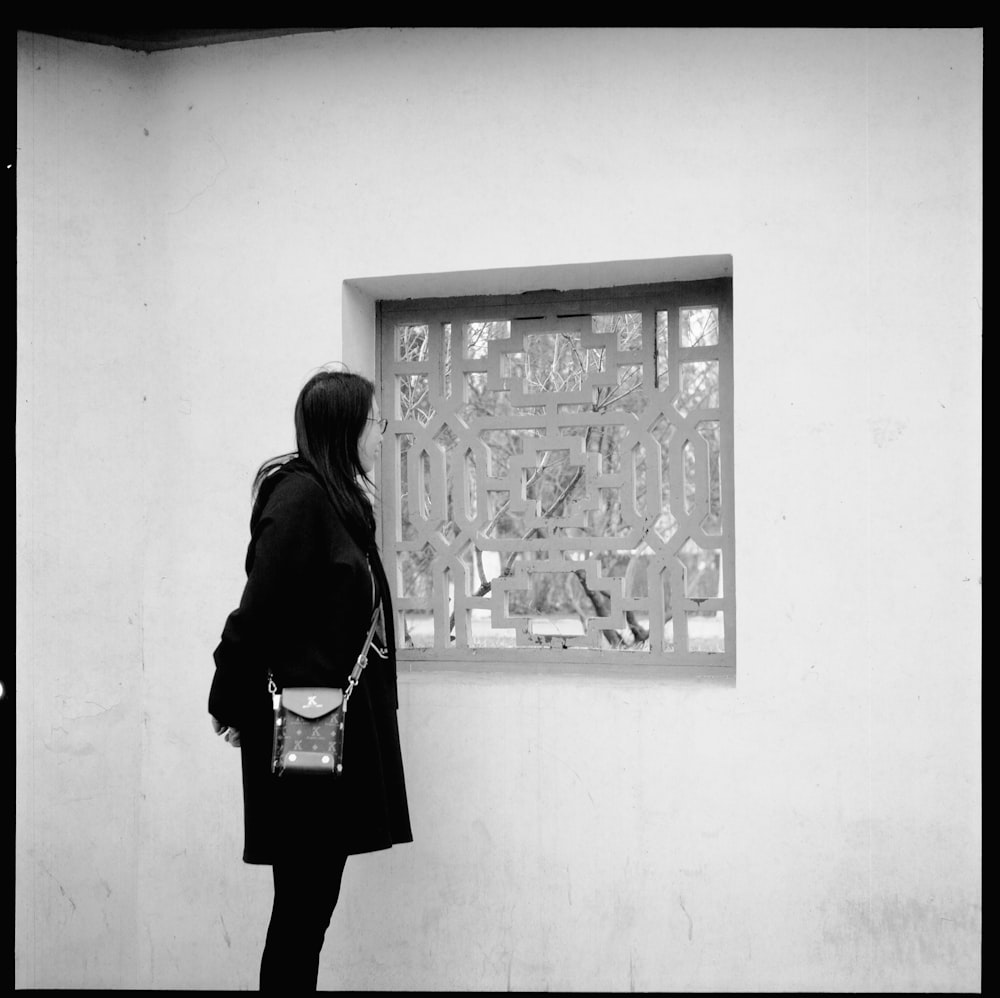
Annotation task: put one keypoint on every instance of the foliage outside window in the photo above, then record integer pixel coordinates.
(557, 475)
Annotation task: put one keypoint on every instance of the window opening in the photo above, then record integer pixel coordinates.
(556, 476)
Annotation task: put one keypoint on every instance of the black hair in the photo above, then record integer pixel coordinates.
(330, 416)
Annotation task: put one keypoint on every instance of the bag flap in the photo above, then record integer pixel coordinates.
(311, 701)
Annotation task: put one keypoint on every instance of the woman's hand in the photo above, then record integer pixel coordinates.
(231, 734)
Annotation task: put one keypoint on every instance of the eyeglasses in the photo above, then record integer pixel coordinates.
(383, 424)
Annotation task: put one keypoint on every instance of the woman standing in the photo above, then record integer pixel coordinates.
(313, 576)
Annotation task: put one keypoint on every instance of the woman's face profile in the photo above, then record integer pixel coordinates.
(371, 438)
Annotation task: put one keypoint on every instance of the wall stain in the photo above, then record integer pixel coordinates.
(902, 931)
(62, 890)
(885, 430)
(689, 918)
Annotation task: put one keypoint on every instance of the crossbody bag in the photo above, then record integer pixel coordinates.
(309, 720)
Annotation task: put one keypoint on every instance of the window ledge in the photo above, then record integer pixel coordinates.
(442, 671)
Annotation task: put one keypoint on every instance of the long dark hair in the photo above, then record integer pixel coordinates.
(330, 416)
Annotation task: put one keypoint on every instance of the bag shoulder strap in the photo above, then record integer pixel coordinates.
(359, 665)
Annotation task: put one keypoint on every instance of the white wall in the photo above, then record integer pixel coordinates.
(186, 220)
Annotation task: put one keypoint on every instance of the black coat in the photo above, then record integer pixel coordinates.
(304, 615)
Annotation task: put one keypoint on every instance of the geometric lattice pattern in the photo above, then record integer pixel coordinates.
(556, 477)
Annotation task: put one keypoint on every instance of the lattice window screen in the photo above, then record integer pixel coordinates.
(556, 477)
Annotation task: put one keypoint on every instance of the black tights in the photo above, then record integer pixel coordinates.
(304, 898)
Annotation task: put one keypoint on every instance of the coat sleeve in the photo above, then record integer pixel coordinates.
(291, 572)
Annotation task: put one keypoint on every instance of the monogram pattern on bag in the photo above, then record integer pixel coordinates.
(314, 739)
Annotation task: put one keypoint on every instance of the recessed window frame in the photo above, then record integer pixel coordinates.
(367, 300)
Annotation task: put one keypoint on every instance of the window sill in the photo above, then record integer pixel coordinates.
(419, 671)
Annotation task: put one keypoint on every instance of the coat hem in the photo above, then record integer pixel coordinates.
(252, 860)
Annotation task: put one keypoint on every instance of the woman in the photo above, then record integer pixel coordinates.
(313, 571)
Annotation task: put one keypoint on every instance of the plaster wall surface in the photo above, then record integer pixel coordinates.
(186, 223)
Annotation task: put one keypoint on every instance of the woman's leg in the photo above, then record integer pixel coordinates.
(305, 894)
